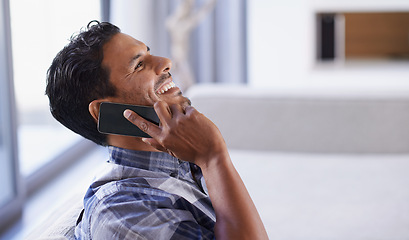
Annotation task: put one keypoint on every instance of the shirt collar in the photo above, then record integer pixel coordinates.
(151, 161)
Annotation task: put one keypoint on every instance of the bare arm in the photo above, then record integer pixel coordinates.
(190, 136)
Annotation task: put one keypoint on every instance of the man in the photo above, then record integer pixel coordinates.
(179, 184)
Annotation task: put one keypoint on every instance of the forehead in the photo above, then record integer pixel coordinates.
(121, 48)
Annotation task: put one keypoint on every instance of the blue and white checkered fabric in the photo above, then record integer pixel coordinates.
(147, 195)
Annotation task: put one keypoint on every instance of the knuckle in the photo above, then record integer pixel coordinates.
(178, 120)
(192, 116)
(143, 126)
(192, 113)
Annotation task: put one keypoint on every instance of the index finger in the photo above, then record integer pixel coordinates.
(146, 126)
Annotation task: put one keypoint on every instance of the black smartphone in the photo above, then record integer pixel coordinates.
(112, 121)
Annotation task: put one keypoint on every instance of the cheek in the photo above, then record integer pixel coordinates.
(143, 82)
(144, 85)
(140, 95)
(138, 91)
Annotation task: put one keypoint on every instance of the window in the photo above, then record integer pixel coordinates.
(39, 30)
(10, 194)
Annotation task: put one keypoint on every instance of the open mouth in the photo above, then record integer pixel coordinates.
(166, 87)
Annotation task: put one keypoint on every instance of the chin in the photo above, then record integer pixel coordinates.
(181, 100)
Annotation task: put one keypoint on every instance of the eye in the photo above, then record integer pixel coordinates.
(139, 65)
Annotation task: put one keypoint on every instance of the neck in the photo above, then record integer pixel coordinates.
(131, 143)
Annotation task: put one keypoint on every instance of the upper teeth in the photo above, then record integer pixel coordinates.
(167, 87)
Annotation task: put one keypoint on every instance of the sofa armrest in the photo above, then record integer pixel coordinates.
(61, 223)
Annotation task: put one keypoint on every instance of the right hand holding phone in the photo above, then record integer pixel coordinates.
(184, 133)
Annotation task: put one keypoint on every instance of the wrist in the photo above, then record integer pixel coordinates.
(209, 163)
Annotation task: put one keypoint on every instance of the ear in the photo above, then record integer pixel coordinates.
(93, 108)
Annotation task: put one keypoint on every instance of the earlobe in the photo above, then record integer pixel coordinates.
(93, 108)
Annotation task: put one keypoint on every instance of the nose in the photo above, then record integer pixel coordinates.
(162, 64)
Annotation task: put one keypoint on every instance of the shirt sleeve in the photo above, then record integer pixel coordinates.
(157, 215)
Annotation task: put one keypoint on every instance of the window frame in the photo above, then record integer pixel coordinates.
(11, 210)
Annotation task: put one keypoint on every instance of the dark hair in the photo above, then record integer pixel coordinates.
(76, 77)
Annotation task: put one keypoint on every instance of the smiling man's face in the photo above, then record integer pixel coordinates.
(139, 77)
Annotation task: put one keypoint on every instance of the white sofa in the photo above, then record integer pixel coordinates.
(60, 224)
(318, 166)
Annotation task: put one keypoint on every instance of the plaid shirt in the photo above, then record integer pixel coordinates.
(147, 195)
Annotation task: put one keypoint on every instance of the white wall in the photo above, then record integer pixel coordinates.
(281, 47)
(280, 37)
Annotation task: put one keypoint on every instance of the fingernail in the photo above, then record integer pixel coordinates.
(127, 113)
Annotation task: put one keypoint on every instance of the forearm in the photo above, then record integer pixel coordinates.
(236, 214)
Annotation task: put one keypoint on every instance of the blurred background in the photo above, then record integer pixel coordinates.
(329, 80)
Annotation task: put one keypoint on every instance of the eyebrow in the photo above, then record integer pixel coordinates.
(134, 58)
